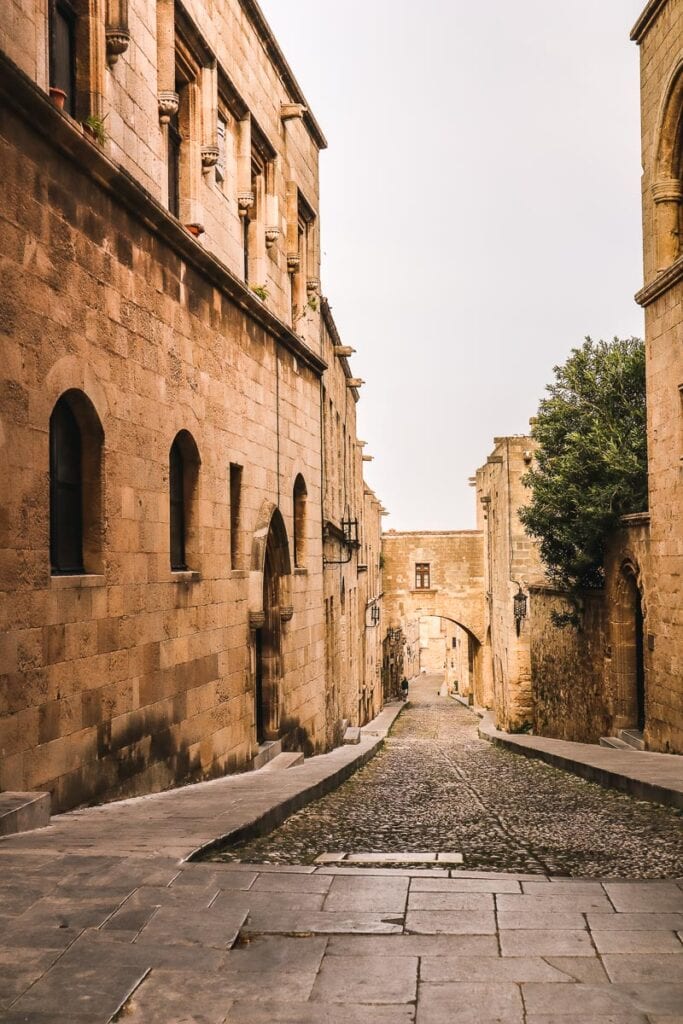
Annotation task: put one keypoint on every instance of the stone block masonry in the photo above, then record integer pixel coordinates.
(157, 661)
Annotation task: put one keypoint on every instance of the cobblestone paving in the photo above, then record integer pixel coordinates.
(437, 787)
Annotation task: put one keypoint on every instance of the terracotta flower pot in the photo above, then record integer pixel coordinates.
(195, 229)
(58, 97)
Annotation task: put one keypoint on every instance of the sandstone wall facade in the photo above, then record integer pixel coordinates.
(128, 676)
(658, 33)
(453, 591)
(511, 562)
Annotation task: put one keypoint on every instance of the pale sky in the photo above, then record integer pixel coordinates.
(480, 215)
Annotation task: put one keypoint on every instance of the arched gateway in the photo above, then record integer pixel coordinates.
(269, 607)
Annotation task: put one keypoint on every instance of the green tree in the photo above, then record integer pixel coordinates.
(591, 462)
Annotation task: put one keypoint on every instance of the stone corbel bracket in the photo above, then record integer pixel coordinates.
(168, 105)
(210, 156)
(118, 40)
(272, 235)
(292, 111)
(354, 382)
(343, 351)
(245, 201)
(293, 262)
(312, 286)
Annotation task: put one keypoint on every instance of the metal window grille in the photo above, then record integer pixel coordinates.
(66, 492)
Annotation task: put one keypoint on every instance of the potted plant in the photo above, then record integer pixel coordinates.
(58, 97)
(94, 126)
(260, 291)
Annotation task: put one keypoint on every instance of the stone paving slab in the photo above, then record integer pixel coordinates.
(97, 925)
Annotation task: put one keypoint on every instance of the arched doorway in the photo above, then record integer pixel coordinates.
(271, 567)
(629, 652)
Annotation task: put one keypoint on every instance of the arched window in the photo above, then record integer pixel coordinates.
(66, 491)
(182, 485)
(300, 495)
(76, 444)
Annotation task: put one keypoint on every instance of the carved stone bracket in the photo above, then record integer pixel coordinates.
(245, 201)
(286, 612)
(168, 106)
(312, 286)
(272, 235)
(290, 111)
(210, 156)
(293, 262)
(118, 40)
(257, 619)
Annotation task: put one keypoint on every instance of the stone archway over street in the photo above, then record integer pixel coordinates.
(438, 574)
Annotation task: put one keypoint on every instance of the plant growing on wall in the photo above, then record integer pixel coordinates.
(591, 462)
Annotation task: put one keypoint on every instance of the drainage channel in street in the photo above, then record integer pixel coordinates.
(437, 789)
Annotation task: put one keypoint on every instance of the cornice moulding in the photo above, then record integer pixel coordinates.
(646, 19)
(57, 131)
(272, 48)
(667, 279)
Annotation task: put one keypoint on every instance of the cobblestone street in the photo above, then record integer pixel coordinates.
(437, 786)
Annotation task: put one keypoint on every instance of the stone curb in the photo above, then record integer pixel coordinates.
(374, 734)
(634, 772)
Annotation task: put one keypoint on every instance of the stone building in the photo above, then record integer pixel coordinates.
(511, 562)
(351, 530)
(623, 670)
(659, 35)
(162, 608)
(431, 577)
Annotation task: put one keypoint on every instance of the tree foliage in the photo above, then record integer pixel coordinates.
(591, 462)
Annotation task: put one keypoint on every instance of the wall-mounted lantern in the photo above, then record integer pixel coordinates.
(520, 603)
(374, 615)
(350, 530)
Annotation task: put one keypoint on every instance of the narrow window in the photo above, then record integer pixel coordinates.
(177, 495)
(221, 129)
(422, 576)
(174, 144)
(62, 31)
(66, 492)
(235, 512)
(300, 495)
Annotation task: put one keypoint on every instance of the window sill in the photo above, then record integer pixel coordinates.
(185, 576)
(425, 590)
(300, 570)
(76, 582)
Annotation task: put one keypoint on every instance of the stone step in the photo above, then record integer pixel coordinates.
(22, 812)
(633, 737)
(266, 752)
(613, 741)
(287, 760)
(352, 734)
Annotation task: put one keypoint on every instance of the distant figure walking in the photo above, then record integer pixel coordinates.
(404, 688)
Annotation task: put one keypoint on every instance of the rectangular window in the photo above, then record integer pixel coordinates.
(235, 511)
(63, 51)
(221, 129)
(422, 576)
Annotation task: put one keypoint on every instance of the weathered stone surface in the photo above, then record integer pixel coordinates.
(366, 979)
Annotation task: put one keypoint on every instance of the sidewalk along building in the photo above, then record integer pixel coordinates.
(161, 611)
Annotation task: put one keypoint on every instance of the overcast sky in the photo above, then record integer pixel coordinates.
(480, 215)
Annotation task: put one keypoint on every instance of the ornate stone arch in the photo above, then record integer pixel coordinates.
(269, 538)
(628, 614)
(667, 185)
